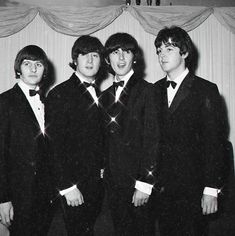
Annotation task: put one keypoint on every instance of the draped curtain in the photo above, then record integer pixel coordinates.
(56, 28)
(87, 20)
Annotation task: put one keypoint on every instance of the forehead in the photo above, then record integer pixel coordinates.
(31, 61)
(168, 43)
(87, 53)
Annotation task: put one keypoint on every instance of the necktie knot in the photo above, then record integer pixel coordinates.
(117, 84)
(172, 83)
(33, 92)
(87, 85)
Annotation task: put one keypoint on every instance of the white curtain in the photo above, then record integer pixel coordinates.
(212, 30)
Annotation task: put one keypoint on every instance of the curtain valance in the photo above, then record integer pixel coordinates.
(79, 21)
(86, 20)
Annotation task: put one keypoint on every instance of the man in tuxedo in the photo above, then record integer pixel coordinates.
(24, 173)
(130, 134)
(189, 170)
(74, 127)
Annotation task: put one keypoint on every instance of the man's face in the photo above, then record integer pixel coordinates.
(121, 61)
(170, 59)
(88, 64)
(31, 72)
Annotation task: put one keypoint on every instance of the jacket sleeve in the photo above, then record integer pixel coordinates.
(214, 140)
(151, 136)
(4, 150)
(55, 123)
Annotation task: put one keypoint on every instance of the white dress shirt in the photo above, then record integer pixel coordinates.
(120, 89)
(90, 89)
(35, 103)
(171, 92)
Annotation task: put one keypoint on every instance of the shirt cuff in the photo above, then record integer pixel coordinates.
(143, 187)
(211, 191)
(63, 192)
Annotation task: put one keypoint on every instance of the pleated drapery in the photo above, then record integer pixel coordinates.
(87, 20)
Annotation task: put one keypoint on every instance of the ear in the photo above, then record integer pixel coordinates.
(185, 55)
(107, 61)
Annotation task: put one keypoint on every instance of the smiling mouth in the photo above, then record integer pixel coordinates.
(121, 65)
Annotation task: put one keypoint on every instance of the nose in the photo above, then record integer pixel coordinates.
(162, 54)
(89, 58)
(33, 68)
(121, 55)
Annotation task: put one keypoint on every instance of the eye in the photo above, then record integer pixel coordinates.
(39, 64)
(115, 52)
(26, 63)
(96, 55)
(128, 51)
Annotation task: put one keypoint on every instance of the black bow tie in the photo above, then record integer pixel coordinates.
(117, 84)
(87, 85)
(172, 83)
(33, 92)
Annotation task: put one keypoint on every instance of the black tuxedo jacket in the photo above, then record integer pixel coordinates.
(23, 160)
(74, 128)
(191, 137)
(130, 138)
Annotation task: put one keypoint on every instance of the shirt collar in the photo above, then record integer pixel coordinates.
(82, 78)
(25, 88)
(125, 78)
(179, 79)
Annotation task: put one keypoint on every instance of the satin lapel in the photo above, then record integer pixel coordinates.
(77, 83)
(182, 93)
(23, 104)
(164, 100)
(126, 91)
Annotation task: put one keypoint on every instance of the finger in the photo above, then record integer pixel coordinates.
(204, 209)
(138, 203)
(12, 213)
(133, 198)
(6, 220)
(82, 199)
(68, 202)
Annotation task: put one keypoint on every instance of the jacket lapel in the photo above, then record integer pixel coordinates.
(182, 93)
(23, 104)
(83, 91)
(126, 91)
(163, 96)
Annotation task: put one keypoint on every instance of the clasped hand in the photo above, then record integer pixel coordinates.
(74, 198)
(139, 198)
(6, 213)
(209, 204)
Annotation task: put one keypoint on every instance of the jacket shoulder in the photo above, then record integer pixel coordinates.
(62, 89)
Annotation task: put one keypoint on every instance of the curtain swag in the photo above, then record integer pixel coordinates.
(87, 20)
